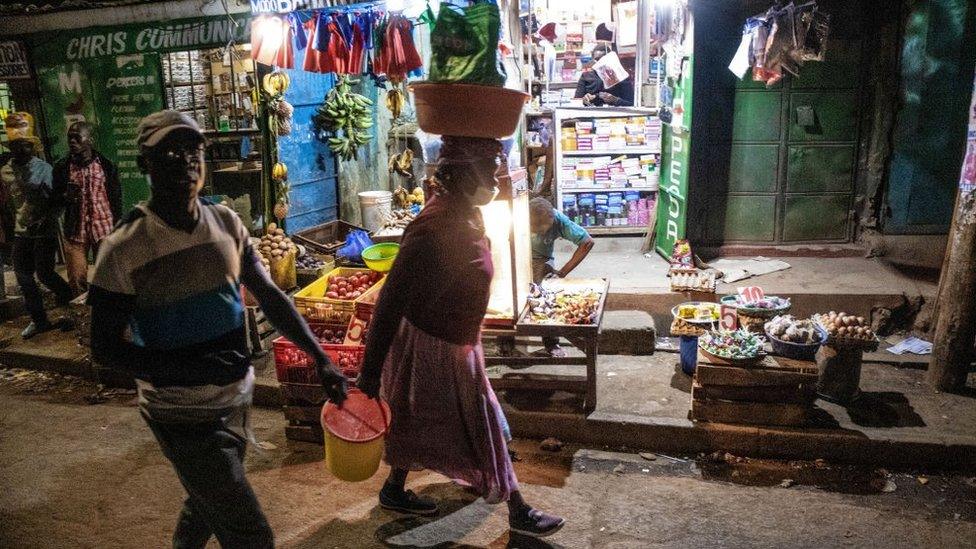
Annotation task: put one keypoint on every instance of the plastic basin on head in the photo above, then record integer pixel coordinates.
(354, 436)
(469, 110)
(379, 257)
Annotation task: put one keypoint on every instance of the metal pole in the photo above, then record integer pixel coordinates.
(643, 49)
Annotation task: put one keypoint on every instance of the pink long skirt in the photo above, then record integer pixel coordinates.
(445, 416)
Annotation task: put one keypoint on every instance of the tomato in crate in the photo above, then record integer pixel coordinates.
(348, 358)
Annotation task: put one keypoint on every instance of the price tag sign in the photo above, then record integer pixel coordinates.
(751, 294)
(728, 318)
(356, 331)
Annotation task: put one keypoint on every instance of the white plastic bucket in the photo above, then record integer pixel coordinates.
(375, 207)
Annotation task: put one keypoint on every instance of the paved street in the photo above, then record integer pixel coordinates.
(74, 474)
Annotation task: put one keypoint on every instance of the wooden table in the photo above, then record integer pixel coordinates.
(585, 338)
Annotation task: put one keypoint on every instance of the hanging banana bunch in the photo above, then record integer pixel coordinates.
(280, 111)
(395, 100)
(344, 119)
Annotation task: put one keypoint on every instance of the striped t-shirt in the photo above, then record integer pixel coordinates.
(181, 291)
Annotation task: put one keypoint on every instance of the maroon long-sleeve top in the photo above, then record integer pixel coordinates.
(440, 280)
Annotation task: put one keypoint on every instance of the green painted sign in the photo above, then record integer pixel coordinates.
(113, 93)
(160, 37)
(672, 206)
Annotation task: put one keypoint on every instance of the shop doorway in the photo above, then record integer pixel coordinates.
(793, 151)
(217, 87)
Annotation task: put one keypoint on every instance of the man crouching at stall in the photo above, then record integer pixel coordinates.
(170, 274)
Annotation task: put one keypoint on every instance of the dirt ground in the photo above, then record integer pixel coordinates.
(77, 471)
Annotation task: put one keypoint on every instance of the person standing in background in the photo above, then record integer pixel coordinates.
(87, 183)
(26, 181)
(594, 93)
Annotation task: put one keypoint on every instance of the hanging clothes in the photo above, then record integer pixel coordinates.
(317, 60)
(399, 54)
(338, 45)
(357, 48)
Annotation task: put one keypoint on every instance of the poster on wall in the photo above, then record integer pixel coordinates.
(13, 61)
(967, 180)
(111, 93)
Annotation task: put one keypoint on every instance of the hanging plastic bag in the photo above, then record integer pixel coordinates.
(464, 44)
(356, 242)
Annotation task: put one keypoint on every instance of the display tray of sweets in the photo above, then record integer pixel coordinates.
(736, 348)
(566, 304)
(766, 307)
(680, 327)
(697, 312)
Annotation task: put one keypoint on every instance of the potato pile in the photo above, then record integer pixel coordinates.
(275, 245)
(843, 325)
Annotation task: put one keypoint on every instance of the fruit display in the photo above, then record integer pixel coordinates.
(274, 245)
(395, 101)
(328, 335)
(734, 345)
(843, 326)
(403, 200)
(789, 329)
(309, 262)
(344, 119)
(275, 83)
(401, 163)
(349, 288)
(699, 312)
(563, 306)
(349, 362)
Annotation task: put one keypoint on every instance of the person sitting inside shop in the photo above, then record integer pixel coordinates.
(592, 91)
(548, 225)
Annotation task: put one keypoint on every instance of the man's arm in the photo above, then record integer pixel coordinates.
(283, 316)
(582, 250)
(110, 317)
(113, 187)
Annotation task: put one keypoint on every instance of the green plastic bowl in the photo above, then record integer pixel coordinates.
(379, 257)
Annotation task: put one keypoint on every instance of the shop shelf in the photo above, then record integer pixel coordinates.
(611, 152)
(608, 189)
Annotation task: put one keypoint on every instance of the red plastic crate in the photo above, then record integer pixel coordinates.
(292, 365)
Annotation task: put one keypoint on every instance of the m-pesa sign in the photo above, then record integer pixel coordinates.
(672, 210)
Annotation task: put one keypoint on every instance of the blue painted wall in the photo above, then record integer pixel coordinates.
(938, 54)
(311, 165)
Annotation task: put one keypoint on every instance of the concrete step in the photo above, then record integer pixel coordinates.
(627, 332)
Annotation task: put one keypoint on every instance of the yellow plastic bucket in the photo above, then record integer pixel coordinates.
(354, 436)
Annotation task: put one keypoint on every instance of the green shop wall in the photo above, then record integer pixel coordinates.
(938, 55)
(113, 93)
(111, 77)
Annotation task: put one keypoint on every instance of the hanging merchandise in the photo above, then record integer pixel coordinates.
(465, 44)
(344, 119)
(272, 41)
(395, 57)
(781, 40)
(280, 111)
(317, 58)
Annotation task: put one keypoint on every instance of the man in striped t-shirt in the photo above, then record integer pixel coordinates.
(168, 277)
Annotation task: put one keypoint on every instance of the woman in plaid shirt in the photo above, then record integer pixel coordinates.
(89, 186)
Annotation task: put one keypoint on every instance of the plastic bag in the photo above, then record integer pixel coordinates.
(356, 242)
(464, 45)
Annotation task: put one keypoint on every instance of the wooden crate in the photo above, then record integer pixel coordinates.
(750, 413)
(777, 391)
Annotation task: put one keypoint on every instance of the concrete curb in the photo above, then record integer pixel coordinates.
(686, 437)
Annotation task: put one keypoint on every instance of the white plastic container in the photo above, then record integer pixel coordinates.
(375, 207)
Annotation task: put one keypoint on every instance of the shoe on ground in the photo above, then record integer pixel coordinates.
(406, 501)
(535, 523)
(34, 328)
